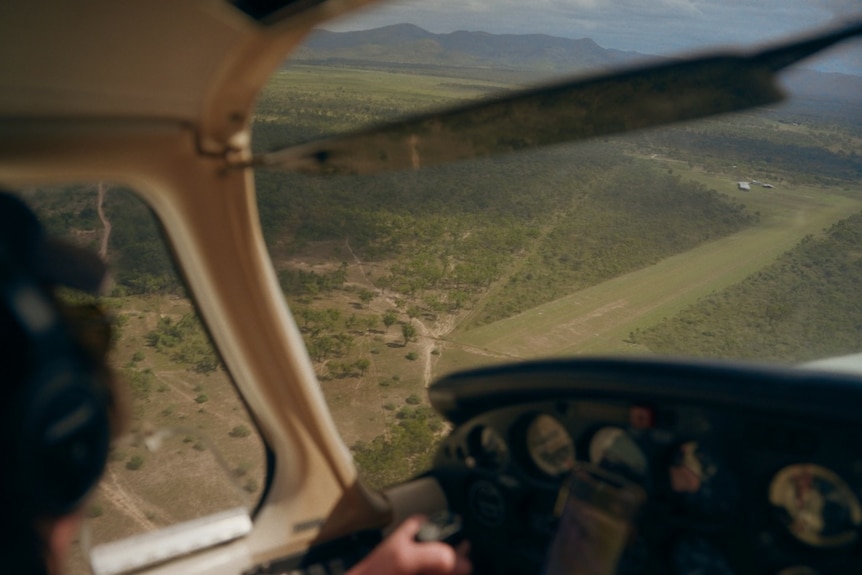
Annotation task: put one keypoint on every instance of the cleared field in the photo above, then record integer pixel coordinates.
(599, 319)
(373, 88)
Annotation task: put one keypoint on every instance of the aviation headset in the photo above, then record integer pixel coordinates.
(55, 418)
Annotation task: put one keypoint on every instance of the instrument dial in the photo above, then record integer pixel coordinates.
(816, 506)
(550, 446)
(615, 450)
(488, 448)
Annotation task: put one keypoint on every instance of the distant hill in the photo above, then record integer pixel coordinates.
(529, 57)
(409, 44)
(824, 93)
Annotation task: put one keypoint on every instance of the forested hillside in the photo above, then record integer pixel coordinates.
(533, 57)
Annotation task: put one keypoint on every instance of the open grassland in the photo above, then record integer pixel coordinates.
(302, 102)
(147, 487)
(411, 89)
(191, 448)
(599, 319)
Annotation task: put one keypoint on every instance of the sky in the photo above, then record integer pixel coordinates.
(646, 26)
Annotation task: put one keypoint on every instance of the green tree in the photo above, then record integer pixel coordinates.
(408, 331)
(240, 431)
(135, 463)
(389, 319)
(365, 296)
(352, 321)
(362, 365)
(408, 446)
(371, 322)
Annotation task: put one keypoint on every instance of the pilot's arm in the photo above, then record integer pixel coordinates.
(401, 554)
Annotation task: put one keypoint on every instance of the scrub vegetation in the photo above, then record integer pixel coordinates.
(804, 306)
(448, 250)
(395, 279)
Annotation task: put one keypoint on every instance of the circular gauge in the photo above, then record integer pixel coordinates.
(696, 556)
(488, 448)
(550, 446)
(701, 484)
(615, 450)
(816, 505)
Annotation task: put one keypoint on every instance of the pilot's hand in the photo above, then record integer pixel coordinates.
(400, 554)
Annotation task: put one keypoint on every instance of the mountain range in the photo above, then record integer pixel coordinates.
(524, 57)
(409, 44)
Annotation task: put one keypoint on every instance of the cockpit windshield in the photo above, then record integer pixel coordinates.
(734, 237)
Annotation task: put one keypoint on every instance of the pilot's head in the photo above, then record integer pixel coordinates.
(57, 409)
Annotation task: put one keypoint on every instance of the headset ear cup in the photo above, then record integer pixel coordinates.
(55, 410)
(64, 440)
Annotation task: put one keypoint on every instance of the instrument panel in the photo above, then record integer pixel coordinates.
(738, 481)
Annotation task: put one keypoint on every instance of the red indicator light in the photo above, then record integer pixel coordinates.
(641, 417)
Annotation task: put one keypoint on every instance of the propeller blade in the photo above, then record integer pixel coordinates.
(578, 109)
